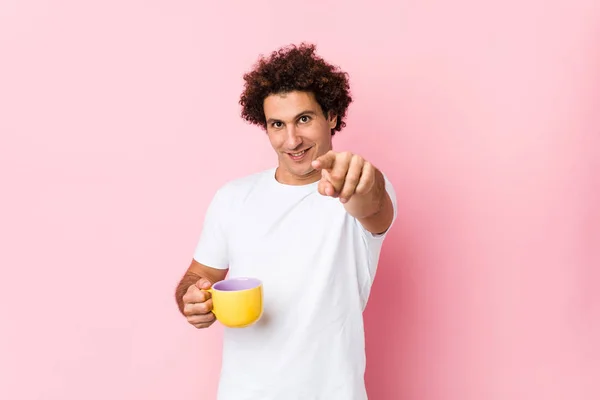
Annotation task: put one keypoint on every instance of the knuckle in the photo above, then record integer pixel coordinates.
(203, 323)
(189, 296)
(190, 299)
(191, 289)
(337, 176)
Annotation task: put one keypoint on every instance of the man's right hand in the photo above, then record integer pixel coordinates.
(197, 305)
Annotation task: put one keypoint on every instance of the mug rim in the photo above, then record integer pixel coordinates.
(239, 278)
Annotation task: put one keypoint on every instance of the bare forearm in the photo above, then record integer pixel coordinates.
(188, 280)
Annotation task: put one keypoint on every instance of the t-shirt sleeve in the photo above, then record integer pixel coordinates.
(211, 249)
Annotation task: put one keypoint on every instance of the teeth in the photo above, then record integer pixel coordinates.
(298, 154)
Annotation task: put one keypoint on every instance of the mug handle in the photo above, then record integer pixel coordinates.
(211, 291)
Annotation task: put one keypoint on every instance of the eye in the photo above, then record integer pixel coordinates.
(277, 124)
(304, 119)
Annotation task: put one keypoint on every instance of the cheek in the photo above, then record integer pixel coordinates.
(319, 135)
(323, 139)
(273, 140)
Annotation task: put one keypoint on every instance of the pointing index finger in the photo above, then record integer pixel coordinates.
(326, 161)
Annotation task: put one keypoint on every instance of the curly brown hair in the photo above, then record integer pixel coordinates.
(295, 68)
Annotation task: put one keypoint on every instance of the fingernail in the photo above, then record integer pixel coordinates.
(343, 200)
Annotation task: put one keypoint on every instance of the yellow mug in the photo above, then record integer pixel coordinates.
(237, 302)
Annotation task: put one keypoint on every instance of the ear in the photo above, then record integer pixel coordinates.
(332, 119)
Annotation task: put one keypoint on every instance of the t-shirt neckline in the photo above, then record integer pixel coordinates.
(306, 187)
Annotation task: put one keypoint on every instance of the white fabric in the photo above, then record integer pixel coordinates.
(317, 264)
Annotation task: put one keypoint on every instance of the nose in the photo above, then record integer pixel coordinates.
(292, 140)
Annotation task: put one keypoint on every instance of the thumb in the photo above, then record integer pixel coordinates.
(203, 284)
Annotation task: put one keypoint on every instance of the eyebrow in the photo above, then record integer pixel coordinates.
(309, 112)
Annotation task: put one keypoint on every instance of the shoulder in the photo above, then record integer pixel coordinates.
(239, 188)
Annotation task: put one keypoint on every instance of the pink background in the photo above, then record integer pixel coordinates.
(119, 119)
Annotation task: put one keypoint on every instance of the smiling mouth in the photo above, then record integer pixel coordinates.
(298, 155)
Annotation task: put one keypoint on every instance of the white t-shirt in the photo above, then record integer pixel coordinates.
(317, 265)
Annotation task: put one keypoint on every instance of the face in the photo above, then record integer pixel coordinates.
(299, 132)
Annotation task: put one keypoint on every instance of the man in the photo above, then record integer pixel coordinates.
(311, 229)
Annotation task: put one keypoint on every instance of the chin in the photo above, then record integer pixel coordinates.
(300, 170)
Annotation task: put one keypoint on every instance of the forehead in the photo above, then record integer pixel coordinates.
(287, 105)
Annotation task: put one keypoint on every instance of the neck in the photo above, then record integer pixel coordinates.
(283, 176)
